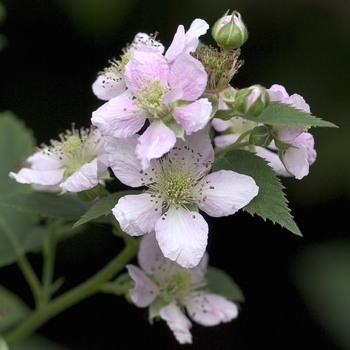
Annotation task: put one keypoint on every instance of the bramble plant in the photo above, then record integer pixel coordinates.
(183, 140)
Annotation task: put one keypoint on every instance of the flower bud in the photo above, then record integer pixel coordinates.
(252, 101)
(261, 135)
(230, 31)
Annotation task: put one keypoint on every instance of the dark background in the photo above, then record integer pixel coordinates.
(297, 289)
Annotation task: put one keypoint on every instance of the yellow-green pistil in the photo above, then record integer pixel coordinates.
(149, 98)
(175, 287)
(175, 189)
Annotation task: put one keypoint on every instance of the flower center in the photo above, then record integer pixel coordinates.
(75, 148)
(175, 287)
(149, 98)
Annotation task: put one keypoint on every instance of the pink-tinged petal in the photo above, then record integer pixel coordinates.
(144, 65)
(278, 93)
(108, 85)
(186, 42)
(210, 309)
(288, 133)
(273, 160)
(157, 140)
(85, 178)
(220, 125)
(173, 95)
(145, 290)
(298, 102)
(224, 192)
(193, 117)
(119, 117)
(179, 324)
(182, 236)
(296, 162)
(137, 214)
(38, 177)
(223, 141)
(177, 45)
(123, 161)
(189, 74)
(198, 27)
(307, 141)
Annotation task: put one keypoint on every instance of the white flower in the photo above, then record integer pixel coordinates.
(169, 289)
(76, 163)
(178, 185)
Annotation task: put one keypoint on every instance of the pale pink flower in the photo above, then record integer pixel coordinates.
(170, 289)
(301, 154)
(168, 96)
(76, 163)
(178, 184)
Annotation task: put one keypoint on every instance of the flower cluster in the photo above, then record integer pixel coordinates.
(174, 128)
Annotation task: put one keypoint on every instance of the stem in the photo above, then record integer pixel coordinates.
(30, 276)
(75, 295)
(49, 253)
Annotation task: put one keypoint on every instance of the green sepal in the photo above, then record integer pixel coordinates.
(219, 282)
(171, 123)
(154, 310)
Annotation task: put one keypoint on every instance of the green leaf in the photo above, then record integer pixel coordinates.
(270, 203)
(103, 206)
(65, 206)
(221, 283)
(277, 113)
(12, 309)
(16, 144)
(17, 235)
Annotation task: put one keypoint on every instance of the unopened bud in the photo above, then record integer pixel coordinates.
(230, 31)
(261, 135)
(252, 101)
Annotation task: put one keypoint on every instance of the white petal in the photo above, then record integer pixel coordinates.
(296, 162)
(108, 85)
(38, 177)
(182, 236)
(123, 161)
(195, 154)
(210, 309)
(225, 192)
(44, 160)
(157, 140)
(145, 290)
(177, 322)
(149, 256)
(137, 214)
(273, 160)
(83, 179)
